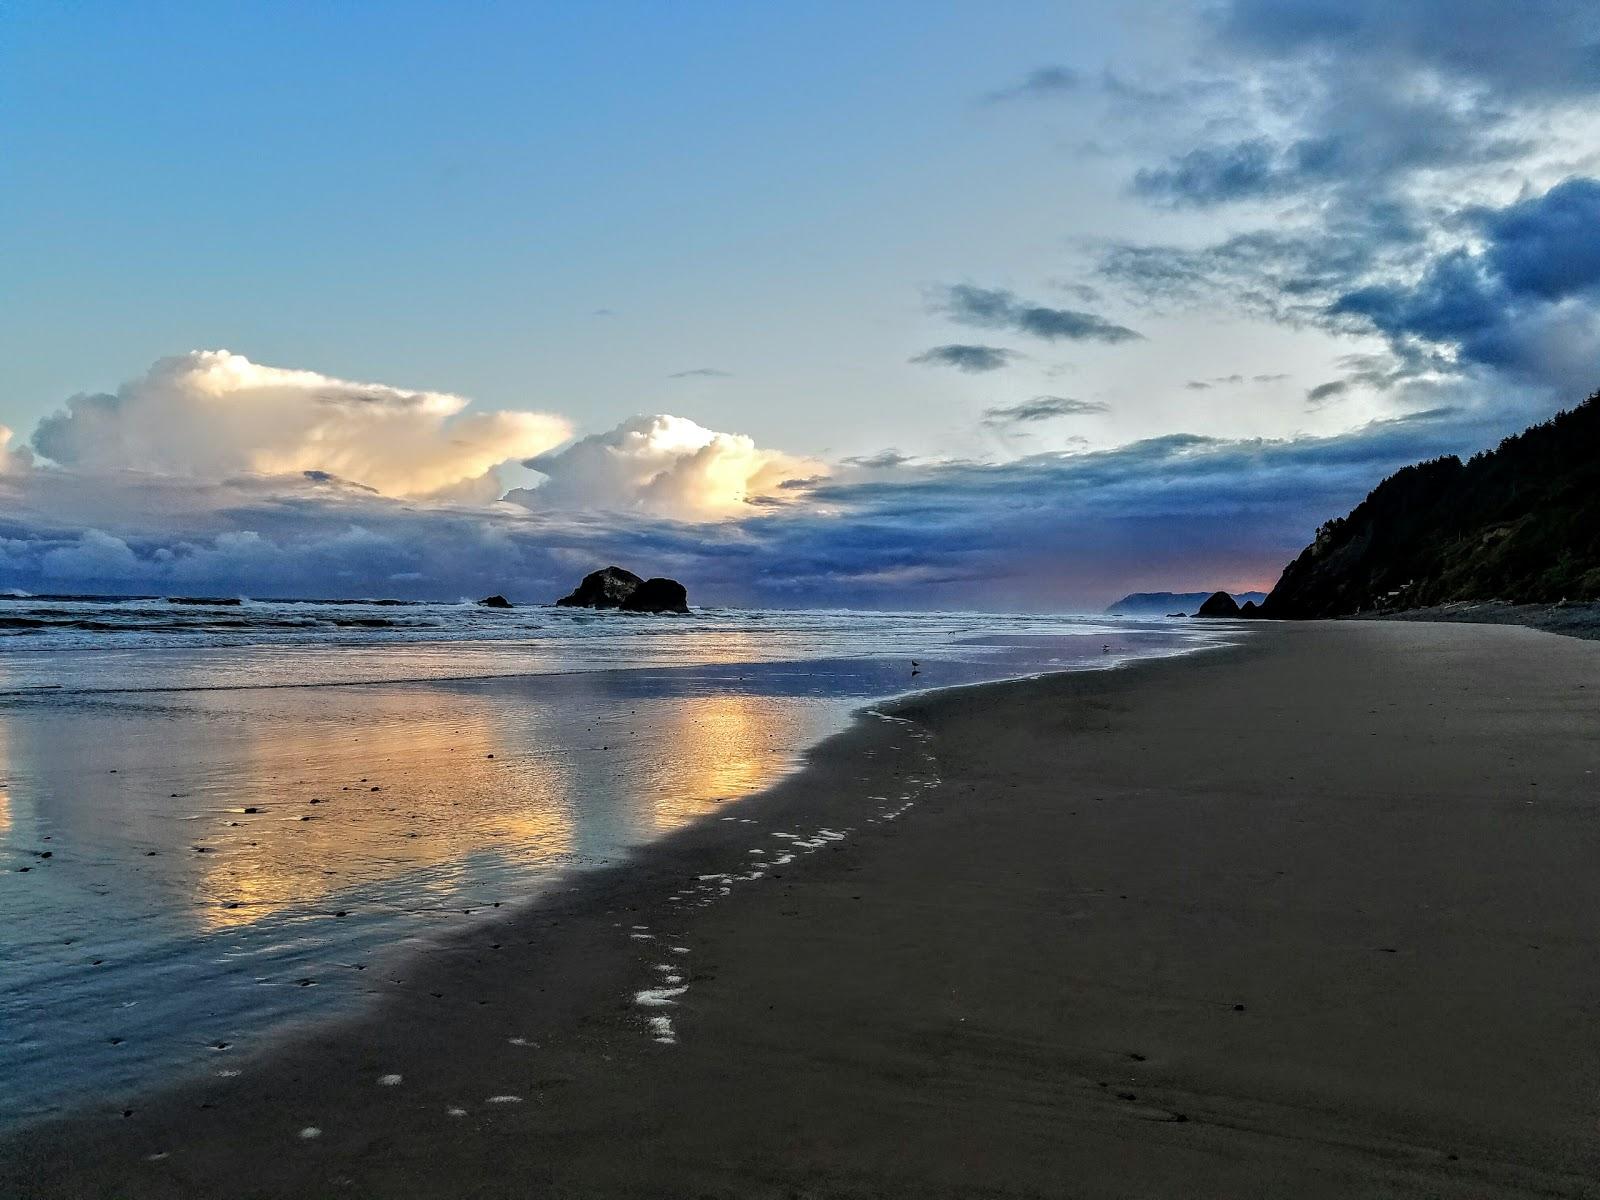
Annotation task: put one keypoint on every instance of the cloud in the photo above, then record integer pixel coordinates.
(702, 373)
(1212, 174)
(1038, 532)
(1527, 303)
(1393, 170)
(739, 523)
(1324, 392)
(995, 308)
(969, 358)
(1042, 408)
(884, 460)
(666, 466)
(1040, 83)
(211, 413)
(12, 459)
(1539, 49)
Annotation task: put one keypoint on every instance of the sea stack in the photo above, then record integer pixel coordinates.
(616, 587)
(1219, 604)
(495, 601)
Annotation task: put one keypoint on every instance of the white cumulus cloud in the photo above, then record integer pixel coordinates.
(211, 413)
(12, 459)
(665, 466)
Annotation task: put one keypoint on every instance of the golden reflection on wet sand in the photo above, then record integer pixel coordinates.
(5, 782)
(413, 791)
(422, 787)
(224, 808)
(723, 747)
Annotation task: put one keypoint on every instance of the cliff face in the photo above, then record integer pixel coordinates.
(1519, 523)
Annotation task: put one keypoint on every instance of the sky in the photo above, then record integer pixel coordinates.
(1016, 306)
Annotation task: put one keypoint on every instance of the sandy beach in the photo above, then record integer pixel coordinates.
(1309, 916)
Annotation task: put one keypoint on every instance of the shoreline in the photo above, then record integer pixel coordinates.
(980, 993)
(1578, 620)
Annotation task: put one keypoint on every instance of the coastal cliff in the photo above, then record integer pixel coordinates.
(1520, 523)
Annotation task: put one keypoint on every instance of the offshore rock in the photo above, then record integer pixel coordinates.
(614, 587)
(1219, 604)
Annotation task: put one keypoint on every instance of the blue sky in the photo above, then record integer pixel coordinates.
(1005, 306)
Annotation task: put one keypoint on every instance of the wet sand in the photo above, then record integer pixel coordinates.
(1313, 917)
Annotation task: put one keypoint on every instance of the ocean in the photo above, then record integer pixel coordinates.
(218, 820)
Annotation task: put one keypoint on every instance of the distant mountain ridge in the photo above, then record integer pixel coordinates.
(1520, 523)
(1160, 604)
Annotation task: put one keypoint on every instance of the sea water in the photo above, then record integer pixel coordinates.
(218, 820)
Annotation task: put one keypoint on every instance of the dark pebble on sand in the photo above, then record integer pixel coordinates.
(127, 1112)
(23, 870)
(1238, 1008)
(341, 913)
(377, 789)
(149, 853)
(306, 982)
(220, 1045)
(251, 810)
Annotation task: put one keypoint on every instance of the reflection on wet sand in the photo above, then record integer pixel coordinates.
(188, 862)
(234, 807)
(414, 795)
(213, 849)
(5, 777)
(723, 746)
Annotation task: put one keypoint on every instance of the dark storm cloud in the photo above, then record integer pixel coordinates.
(1324, 392)
(1361, 121)
(1534, 48)
(1042, 408)
(1528, 302)
(965, 357)
(996, 308)
(1548, 246)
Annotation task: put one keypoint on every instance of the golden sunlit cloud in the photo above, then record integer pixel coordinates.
(212, 413)
(666, 466)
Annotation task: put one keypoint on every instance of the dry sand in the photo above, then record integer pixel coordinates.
(1311, 917)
